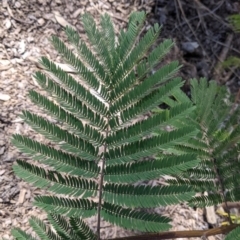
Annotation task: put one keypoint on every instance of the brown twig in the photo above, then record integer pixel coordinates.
(223, 44)
(209, 13)
(192, 30)
(231, 69)
(202, 22)
(229, 74)
(219, 19)
(15, 18)
(222, 57)
(182, 234)
(177, 13)
(231, 205)
(101, 189)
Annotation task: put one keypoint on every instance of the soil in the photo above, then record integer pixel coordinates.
(203, 37)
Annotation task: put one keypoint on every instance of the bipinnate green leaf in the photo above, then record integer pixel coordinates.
(69, 207)
(57, 159)
(54, 181)
(18, 234)
(133, 219)
(150, 169)
(81, 229)
(234, 234)
(146, 196)
(41, 229)
(116, 122)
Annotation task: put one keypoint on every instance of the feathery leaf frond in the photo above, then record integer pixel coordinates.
(54, 133)
(109, 136)
(86, 75)
(57, 159)
(72, 86)
(216, 145)
(18, 234)
(69, 207)
(149, 146)
(86, 54)
(234, 234)
(98, 43)
(70, 102)
(146, 196)
(42, 230)
(55, 182)
(146, 127)
(81, 229)
(128, 39)
(149, 169)
(132, 219)
(72, 123)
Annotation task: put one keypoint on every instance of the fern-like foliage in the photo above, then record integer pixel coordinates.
(103, 143)
(217, 145)
(234, 234)
(72, 229)
(235, 21)
(233, 61)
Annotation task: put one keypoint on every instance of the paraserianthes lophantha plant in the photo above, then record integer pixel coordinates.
(233, 62)
(105, 146)
(216, 178)
(102, 144)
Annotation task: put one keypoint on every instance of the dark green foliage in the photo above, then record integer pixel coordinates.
(217, 145)
(149, 169)
(233, 61)
(21, 235)
(59, 160)
(100, 132)
(234, 234)
(54, 181)
(70, 207)
(145, 196)
(43, 232)
(128, 218)
(74, 229)
(235, 21)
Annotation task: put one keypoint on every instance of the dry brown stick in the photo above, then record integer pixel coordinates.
(201, 5)
(182, 234)
(209, 13)
(112, 15)
(222, 56)
(192, 30)
(229, 74)
(223, 44)
(15, 18)
(177, 13)
(201, 19)
(232, 205)
(231, 69)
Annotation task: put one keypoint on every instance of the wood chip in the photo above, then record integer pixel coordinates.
(61, 20)
(4, 97)
(7, 23)
(210, 213)
(21, 197)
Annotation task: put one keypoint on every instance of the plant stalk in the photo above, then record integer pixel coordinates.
(101, 188)
(182, 234)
